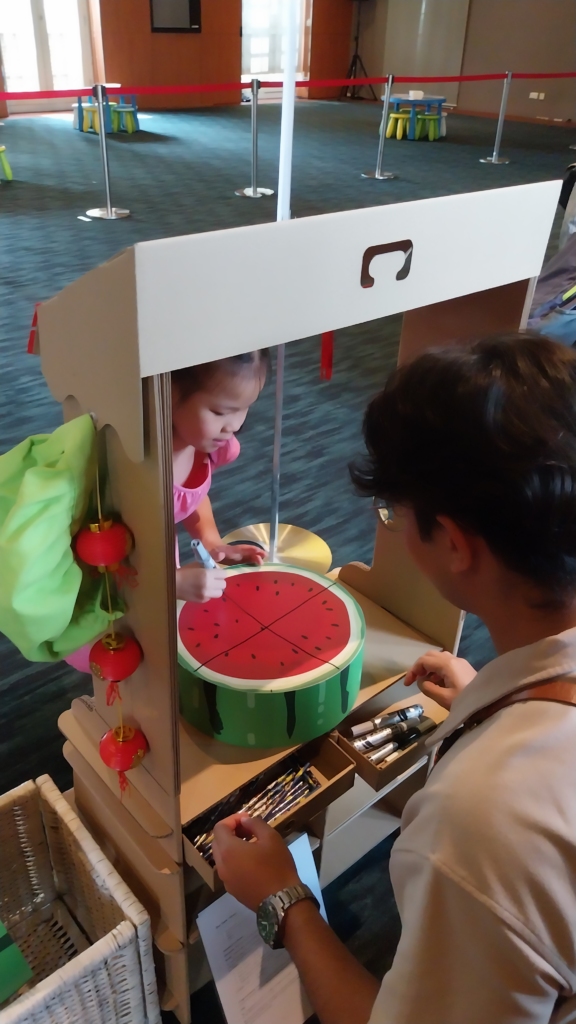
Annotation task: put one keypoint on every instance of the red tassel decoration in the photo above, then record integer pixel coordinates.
(327, 355)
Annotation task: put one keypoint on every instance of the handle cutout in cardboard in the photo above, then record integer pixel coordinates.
(406, 246)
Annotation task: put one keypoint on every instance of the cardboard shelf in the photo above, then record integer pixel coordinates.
(380, 776)
(334, 770)
(210, 770)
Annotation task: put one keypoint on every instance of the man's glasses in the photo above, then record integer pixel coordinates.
(393, 519)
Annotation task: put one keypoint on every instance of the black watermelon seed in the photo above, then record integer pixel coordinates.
(329, 609)
(317, 648)
(257, 588)
(198, 645)
(334, 624)
(282, 664)
(295, 651)
(216, 635)
(275, 581)
(277, 592)
(304, 637)
(225, 654)
(324, 602)
(205, 611)
(327, 637)
(217, 624)
(292, 584)
(191, 628)
(310, 589)
(253, 656)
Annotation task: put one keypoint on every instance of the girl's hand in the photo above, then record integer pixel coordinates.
(193, 583)
(234, 554)
(440, 676)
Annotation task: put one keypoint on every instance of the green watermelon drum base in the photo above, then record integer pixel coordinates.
(275, 661)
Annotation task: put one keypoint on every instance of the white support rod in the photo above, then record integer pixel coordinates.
(255, 88)
(283, 213)
(287, 123)
(99, 92)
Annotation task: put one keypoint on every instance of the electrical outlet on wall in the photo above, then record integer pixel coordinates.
(533, 96)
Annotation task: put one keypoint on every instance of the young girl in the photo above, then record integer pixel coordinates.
(209, 405)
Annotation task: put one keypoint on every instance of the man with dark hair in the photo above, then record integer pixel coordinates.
(474, 451)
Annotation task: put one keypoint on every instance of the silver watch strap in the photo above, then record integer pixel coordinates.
(293, 894)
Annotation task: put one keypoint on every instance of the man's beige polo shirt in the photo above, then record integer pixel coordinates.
(484, 871)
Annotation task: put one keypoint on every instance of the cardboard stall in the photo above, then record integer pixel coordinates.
(457, 267)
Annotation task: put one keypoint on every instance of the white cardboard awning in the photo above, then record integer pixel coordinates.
(179, 301)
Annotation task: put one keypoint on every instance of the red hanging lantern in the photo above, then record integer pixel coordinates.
(115, 657)
(104, 544)
(121, 749)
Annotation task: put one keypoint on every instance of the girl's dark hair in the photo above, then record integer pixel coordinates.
(190, 379)
(484, 433)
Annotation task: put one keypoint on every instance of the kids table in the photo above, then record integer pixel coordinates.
(430, 105)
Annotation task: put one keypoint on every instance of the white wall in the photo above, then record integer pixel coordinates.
(374, 14)
(426, 37)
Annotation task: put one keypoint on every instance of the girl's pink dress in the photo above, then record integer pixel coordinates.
(186, 501)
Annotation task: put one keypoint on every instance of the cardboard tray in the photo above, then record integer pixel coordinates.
(333, 768)
(379, 776)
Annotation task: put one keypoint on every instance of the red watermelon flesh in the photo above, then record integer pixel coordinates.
(208, 629)
(264, 656)
(269, 595)
(321, 626)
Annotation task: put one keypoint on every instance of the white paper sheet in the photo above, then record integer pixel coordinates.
(256, 984)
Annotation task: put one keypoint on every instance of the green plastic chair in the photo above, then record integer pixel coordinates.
(5, 165)
(429, 123)
(398, 121)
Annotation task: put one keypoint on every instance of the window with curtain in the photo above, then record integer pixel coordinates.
(45, 44)
(264, 37)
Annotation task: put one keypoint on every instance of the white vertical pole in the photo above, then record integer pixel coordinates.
(283, 213)
(287, 124)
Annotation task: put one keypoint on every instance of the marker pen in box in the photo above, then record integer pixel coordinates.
(385, 719)
(382, 736)
(415, 732)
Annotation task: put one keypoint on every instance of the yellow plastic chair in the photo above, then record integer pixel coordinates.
(429, 123)
(5, 165)
(398, 122)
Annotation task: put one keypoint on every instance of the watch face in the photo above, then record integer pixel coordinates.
(267, 919)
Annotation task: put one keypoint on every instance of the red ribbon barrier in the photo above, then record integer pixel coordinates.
(176, 90)
(544, 74)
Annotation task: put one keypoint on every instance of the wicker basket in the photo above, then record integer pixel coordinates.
(85, 936)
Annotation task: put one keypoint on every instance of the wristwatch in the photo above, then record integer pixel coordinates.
(271, 911)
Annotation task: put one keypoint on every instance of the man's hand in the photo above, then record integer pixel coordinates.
(440, 676)
(235, 554)
(252, 870)
(193, 583)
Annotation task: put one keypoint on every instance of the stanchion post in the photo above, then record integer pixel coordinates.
(254, 192)
(379, 174)
(108, 212)
(496, 158)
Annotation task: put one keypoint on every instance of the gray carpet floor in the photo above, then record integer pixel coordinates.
(178, 176)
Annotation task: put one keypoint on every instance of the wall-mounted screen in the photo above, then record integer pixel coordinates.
(176, 15)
